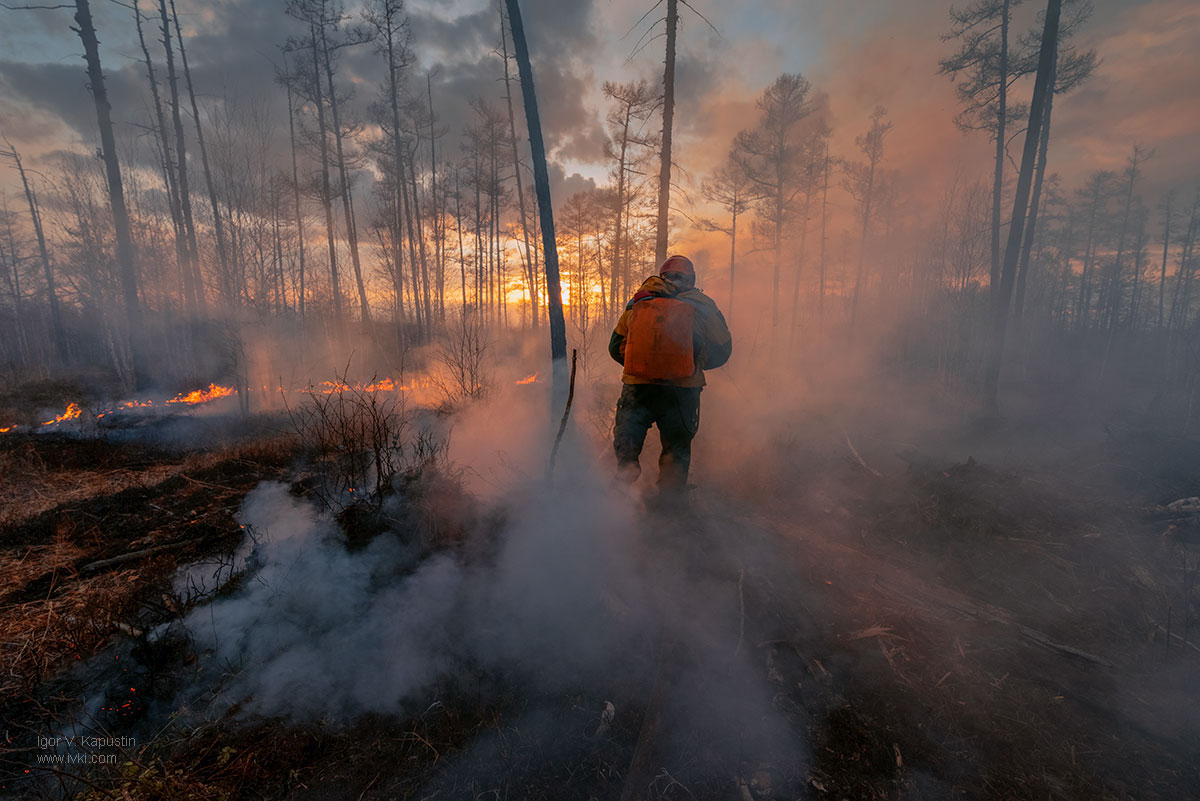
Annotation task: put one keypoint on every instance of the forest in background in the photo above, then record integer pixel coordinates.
(336, 216)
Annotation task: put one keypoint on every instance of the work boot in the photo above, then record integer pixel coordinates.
(627, 473)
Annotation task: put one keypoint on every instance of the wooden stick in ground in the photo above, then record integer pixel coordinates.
(562, 426)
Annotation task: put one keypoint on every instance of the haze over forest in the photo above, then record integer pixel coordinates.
(894, 219)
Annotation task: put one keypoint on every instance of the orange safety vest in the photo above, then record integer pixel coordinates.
(659, 344)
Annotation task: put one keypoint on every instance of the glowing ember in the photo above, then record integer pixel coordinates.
(196, 396)
(529, 379)
(6, 429)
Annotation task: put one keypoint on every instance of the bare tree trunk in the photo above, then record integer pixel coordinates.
(35, 215)
(1181, 298)
(191, 264)
(326, 187)
(277, 254)
(541, 180)
(389, 30)
(497, 241)
(732, 259)
(477, 253)
(803, 249)
(824, 219)
(1001, 125)
(1046, 60)
(435, 211)
(420, 234)
(187, 294)
(296, 193)
(1111, 310)
(1031, 226)
(620, 233)
(414, 236)
(212, 192)
(462, 255)
(116, 192)
(777, 242)
(1139, 246)
(491, 242)
(1162, 280)
(664, 171)
(14, 284)
(1084, 303)
(862, 243)
(527, 261)
(347, 203)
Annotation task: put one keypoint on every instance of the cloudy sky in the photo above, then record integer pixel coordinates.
(858, 52)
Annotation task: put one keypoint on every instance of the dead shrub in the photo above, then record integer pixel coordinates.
(462, 372)
(361, 440)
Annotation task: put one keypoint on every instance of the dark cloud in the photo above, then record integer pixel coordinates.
(562, 186)
(61, 90)
(464, 55)
(858, 53)
(446, 41)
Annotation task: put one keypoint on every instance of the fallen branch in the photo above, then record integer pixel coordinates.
(198, 482)
(1046, 642)
(129, 557)
(1173, 636)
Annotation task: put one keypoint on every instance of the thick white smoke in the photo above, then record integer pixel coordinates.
(320, 631)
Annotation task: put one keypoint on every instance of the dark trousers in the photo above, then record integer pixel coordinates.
(676, 412)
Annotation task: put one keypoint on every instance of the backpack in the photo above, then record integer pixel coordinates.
(659, 345)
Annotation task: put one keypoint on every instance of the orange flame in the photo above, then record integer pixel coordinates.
(196, 396)
(529, 379)
(382, 385)
(215, 391)
(73, 412)
(378, 385)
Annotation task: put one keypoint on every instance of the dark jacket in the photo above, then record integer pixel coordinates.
(711, 340)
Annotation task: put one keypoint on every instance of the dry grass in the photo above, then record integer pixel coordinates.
(28, 487)
(64, 515)
(76, 618)
(891, 637)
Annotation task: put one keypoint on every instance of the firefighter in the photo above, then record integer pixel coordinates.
(668, 335)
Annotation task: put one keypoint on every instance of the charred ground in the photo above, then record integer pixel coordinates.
(934, 630)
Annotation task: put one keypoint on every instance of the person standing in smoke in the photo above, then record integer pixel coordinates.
(668, 335)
